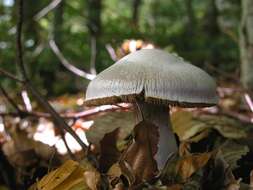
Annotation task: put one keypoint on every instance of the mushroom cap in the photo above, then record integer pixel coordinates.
(154, 76)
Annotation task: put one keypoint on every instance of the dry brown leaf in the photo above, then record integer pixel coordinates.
(119, 186)
(108, 122)
(92, 179)
(71, 175)
(58, 176)
(175, 187)
(190, 164)
(117, 171)
(184, 148)
(232, 151)
(185, 126)
(109, 152)
(139, 156)
(233, 184)
(194, 128)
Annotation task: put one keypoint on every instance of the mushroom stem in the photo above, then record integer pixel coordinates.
(159, 115)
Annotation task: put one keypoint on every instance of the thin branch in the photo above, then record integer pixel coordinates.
(59, 122)
(46, 9)
(72, 156)
(249, 101)
(232, 114)
(75, 116)
(67, 65)
(19, 47)
(26, 100)
(111, 52)
(9, 75)
(10, 100)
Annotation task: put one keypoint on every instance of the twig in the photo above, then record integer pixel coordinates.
(249, 101)
(74, 116)
(111, 52)
(67, 65)
(10, 100)
(66, 145)
(59, 122)
(19, 47)
(26, 100)
(46, 9)
(231, 114)
(9, 75)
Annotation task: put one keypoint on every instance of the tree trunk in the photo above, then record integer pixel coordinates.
(246, 44)
(213, 32)
(190, 17)
(30, 30)
(94, 25)
(57, 33)
(58, 22)
(136, 10)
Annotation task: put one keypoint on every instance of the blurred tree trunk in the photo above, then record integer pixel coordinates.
(189, 27)
(30, 31)
(57, 33)
(53, 64)
(136, 11)
(58, 23)
(212, 31)
(94, 25)
(246, 44)
(190, 17)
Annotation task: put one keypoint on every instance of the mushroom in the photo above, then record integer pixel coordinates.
(154, 79)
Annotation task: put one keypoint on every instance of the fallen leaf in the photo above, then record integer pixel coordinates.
(57, 177)
(117, 172)
(70, 176)
(218, 174)
(189, 164)
(232, 152)
(185, 126)
(107, 123)
(139, 156)
(92, 179)
(109, 154)
(175, 187)
(184, 148)
(194, 128)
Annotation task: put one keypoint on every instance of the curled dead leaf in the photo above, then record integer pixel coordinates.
(109, 153)
(138, 158)
(118, 172)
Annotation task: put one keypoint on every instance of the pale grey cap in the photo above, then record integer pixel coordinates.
(154, 76)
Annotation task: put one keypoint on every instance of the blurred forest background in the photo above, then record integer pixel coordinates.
(66, 43)
(91, 32)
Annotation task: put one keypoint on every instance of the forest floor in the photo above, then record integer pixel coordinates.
(215, 147)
